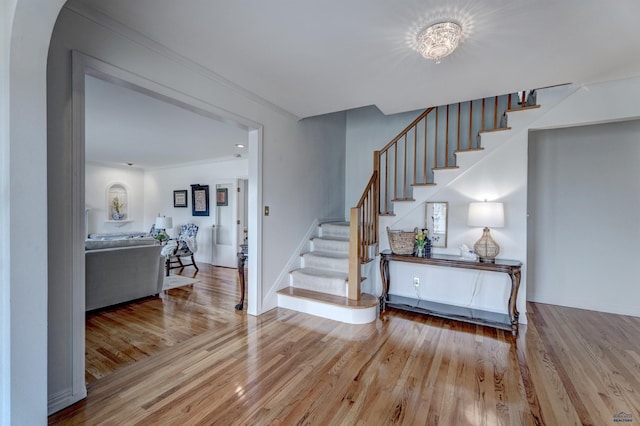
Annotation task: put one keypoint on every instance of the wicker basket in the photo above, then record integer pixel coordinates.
(401, 242)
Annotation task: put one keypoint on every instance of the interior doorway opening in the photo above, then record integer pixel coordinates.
(83, 66)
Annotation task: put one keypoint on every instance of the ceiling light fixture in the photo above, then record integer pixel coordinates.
(439, 40)
(239, 145)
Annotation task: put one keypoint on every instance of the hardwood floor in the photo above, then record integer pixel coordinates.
(190, 358)
(125, 334)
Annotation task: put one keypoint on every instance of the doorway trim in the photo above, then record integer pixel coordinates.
(85, 65)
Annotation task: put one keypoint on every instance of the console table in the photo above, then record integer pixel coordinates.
(242, 258)
(503, 321)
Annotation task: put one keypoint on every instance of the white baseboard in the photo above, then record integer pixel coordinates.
(64, 399)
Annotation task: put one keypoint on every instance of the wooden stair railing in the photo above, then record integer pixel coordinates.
(410, 159)
(432, 140)
(363, 229)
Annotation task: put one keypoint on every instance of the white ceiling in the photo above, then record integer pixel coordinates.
(125, 126)
(312, 58)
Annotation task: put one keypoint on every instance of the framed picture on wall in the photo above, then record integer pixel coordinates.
(180, 198)
(200, 200)
(222, 197)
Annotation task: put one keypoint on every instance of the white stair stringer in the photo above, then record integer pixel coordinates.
(320, 285)
(519, 121)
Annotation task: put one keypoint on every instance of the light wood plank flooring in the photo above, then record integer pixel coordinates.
(189, 358)
(124, 334)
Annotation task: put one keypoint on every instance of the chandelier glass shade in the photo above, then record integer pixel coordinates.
(439, 40)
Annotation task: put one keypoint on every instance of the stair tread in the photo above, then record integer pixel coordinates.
(331, 238)
(446, 168)
(331, 254)
(523, 108)
(326, 273)
(499, 129)
(458, 151)
(334, 224)
(424, 184)
(366, 300)
(395, 200)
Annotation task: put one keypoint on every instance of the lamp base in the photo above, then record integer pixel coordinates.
(486, 248)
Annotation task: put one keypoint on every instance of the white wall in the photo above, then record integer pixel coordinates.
(583, 210)
(159, 185)
(97, 179)
(150, 193)
(302, 161)
(6, 17)
(498, 177)
(23, 197)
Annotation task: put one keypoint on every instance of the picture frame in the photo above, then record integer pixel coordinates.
(180, 198)
(199, 200)
(222, 197)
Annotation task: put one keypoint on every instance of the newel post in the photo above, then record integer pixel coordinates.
(354, 255)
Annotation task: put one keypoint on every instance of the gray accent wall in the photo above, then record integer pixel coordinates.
(368, 130)
(584, 226)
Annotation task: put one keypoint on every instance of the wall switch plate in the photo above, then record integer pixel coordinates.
(266, 210)
(416, 281)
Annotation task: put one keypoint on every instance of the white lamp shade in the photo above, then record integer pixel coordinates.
(164, 223)
(489, 215)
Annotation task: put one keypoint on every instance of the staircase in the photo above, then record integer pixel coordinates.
(320, 286)
(433, 150)
(326, 266)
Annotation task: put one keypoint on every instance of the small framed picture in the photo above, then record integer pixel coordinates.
(200, 200)
(222, 197)
(180, 198)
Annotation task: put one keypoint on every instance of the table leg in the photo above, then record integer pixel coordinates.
(513, 310)
(241, 260)
(384, 273)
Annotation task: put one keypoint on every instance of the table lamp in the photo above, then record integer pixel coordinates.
(486, 215)
(162, 224)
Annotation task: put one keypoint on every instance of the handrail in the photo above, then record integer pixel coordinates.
(406, 130)
(400, 158)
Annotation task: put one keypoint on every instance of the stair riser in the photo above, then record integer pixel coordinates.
(335, 246)
(332, 264)
(328, 230)
(327, 285)
(332, 312)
